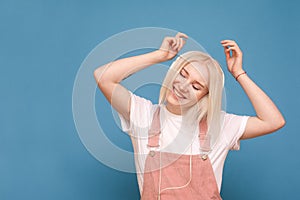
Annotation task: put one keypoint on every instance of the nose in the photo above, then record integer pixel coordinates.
(184, 86)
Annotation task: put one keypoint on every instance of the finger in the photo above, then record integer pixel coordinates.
(174, 42)
(177, 44)
(233, 47)
(182, 42)
(227, 53)
(169, 40)
(235, 51)
(223, 41)
(229, 44)
(181, 35)
(167, 43)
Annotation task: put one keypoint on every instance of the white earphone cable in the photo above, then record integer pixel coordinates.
(176, 187)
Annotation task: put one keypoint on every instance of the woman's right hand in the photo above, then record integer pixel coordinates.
(171, 46)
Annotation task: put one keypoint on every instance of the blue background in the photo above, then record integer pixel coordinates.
(42, 45)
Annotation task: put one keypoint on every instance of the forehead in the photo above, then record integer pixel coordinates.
(197, 71)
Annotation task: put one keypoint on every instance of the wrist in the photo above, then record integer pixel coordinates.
(238, 74)
(158, 56)
(163, 55)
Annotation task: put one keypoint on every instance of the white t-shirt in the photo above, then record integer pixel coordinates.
(141, 115)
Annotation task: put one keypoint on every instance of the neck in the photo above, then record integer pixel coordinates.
(177, 110)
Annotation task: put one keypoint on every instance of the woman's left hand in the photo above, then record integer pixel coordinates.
(234, 61)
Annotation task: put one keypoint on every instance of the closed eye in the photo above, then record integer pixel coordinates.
(182, 73)
(196, 88)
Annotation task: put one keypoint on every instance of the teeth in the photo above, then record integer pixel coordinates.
(177, 94)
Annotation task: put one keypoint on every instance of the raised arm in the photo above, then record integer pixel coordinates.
(269, 118)
(109, 76)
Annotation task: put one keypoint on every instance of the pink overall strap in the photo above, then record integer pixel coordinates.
(204, 139)
(203, 127)
(173, 181)
(154, 131)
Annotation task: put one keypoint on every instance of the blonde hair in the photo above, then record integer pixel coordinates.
(209, 107)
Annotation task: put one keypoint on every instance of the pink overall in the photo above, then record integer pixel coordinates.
(187, 177)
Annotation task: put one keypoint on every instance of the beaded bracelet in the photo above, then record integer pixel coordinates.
(239, 75)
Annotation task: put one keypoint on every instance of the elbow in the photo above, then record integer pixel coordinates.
(279, 123)
(101, 78)
(98, 75)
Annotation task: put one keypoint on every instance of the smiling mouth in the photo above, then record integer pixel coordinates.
(178, 95)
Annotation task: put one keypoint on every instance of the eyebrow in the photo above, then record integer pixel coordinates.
(195, 81)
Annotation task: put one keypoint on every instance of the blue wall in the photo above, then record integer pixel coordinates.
(42, 45)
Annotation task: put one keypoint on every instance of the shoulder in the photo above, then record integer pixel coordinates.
(233, 128)
(142, 109)
(232, 119)
(142, 103)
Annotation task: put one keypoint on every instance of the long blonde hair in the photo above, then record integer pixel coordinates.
(209, 107)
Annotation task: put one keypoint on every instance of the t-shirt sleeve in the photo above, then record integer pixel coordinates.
(234, 128)
(140, 111)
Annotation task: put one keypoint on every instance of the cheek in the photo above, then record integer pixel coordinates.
(201, 94)
(178, 79)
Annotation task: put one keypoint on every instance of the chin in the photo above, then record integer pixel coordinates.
(174, 102)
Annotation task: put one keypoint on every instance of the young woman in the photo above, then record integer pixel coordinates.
(181, 143)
